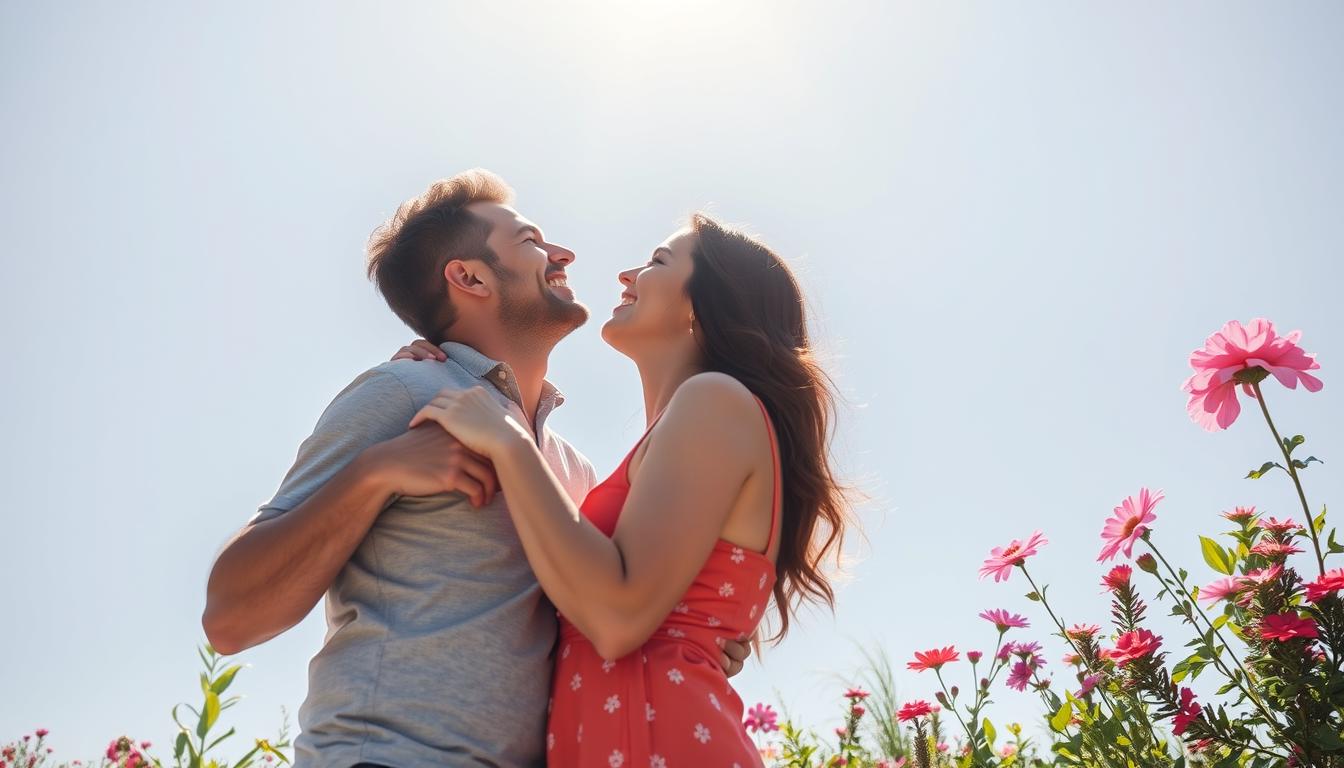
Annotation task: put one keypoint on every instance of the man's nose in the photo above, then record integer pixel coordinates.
(558, 254)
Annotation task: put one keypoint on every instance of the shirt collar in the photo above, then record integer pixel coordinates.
(500, 375)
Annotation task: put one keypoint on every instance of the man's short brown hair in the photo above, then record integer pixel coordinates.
(408, 253)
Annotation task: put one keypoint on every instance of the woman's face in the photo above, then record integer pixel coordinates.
(654, 307)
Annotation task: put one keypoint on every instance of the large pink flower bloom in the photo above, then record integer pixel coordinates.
(1328, 584)
(1213, 389)
(1127, 523)
(1135, 645)
(1286, 626)
(1001, 560)
(1220, 589)
(1187, 714)
(1004, 620)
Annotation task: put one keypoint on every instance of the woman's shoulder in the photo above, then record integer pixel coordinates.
(713, 401)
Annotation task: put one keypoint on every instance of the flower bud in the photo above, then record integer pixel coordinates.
(941, 697)
(1146, 563)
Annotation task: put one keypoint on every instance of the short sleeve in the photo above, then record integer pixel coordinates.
(373, 408)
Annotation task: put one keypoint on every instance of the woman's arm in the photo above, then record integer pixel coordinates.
(618, 590)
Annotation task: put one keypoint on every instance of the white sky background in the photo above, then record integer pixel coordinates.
(1014, 222)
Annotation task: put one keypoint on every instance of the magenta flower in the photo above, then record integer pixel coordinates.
(1274, 525)
(933, 659)
(1127, 523)
(1083, 631)
(913, 710)
(1328, 584)
(1189, 712)
(1287, 626)
(1088, 683)
(1019, 676)
(1132, 646)
(857, 694)
(1118, 578)
(761, 718)
(973, 656)
(1274, 549)
(1240, 514)
(1001, 560)
(1213, 386)
(1004, 620)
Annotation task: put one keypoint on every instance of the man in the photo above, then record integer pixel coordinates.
(438, 645)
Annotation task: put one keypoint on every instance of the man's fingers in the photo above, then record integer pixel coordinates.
(465, 483)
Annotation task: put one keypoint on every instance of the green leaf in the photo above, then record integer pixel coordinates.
(225, 678)
(1326, 736)
(1290, 443)
(180, 746)
(1061, 719)
(989, 732)
(1318, 522)
(1215, 555)
(1032, 596)
(1256, 474)
(1300, 464)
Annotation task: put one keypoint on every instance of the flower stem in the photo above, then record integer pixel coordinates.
(1292, 472)
(1245, 687)
(1065, 634)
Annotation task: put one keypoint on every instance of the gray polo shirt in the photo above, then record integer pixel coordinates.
(438, 644)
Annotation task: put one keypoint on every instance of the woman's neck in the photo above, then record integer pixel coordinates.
(661, 374)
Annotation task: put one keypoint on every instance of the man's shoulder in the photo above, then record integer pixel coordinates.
(423, 379)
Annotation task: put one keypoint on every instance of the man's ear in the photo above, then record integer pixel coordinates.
(468, 277)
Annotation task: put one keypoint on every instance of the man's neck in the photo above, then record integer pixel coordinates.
(528, 363)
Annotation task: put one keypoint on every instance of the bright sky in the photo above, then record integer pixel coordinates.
(1014, 222)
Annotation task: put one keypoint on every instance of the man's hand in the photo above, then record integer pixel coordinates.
(734, 657)
(427, 460)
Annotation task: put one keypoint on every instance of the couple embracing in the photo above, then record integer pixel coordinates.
(488, 601)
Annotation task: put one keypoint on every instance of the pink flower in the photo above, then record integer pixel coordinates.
(913, 710)
(1083, 631)
(1329, 583)
(1004, 620)
(761, 718)
(857, 711)
(1286, 626)
(856, 693)
(1188, 713)
(933, 659)
(1132, 646)
(41, 733)
(1220, 589)
(1262, 576)
(1213, 386)
(1072, 658)
(1128, 522)
(974, 656)
(1240, 514)
(1089, 683)
(1001, 560)
(1279, 526)
(1274, 549)
(1025, 649)
(1019, 676)
(1118, 578)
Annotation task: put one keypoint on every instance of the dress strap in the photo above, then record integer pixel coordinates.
(775, 511)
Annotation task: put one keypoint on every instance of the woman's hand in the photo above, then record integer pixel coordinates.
(474, 418)
(420, 350)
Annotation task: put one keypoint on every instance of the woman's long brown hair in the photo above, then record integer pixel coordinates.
(753, 327)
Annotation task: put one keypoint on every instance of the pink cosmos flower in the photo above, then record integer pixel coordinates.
(1001, 560)
(1132, 646)
(1286, 626)
(1220, 589)
(913, 710)
(974, 656)
(1329, 583)
(933, 659)
(1128, 522)
(1118, 578)
(1188, 713)
(856, 693)
(761, 717)
(1213, 387)
(1019, 676)
(1026, 649)
(1262, 576)
(1004, 620)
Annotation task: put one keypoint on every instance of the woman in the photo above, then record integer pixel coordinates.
(727, 501)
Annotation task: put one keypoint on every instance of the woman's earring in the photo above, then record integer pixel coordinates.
(691, 329)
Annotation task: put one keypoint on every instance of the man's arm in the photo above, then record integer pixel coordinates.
(360, 457)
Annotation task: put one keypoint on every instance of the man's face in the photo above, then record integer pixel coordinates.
(534, 294)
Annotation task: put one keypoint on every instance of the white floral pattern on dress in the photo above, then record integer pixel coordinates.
(648, 712)
(713, 621)
(576, 682)
(564, 652)
(681, 608)
(738, 555)
(726, 589)
(714, 700)
(613, 704)
(674, 632)
(617, 759)
(761, 585)
(657, 761)
(550, 741)
(675, 675)
(754, 609)
(607, 665)
(701, 733)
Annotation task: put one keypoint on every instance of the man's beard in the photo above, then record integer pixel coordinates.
(540, 317)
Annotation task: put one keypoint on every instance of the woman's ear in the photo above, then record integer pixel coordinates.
(466, 276)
